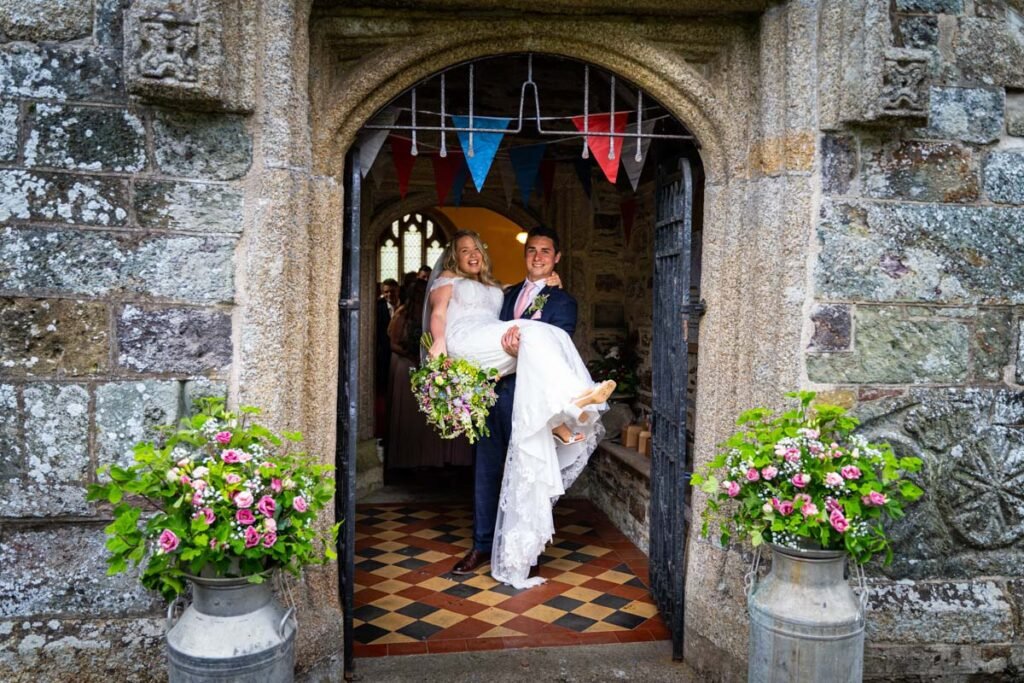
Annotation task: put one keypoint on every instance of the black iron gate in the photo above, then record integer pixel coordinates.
(348, 395)
(670, 470)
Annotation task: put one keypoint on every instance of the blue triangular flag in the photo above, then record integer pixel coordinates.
(461, 176)
(582, 167)
(485, 145)
(526, 162)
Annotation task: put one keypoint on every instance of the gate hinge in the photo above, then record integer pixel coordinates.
(348, 304)
(696, 309)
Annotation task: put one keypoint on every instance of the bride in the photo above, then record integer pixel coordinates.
(554, 414)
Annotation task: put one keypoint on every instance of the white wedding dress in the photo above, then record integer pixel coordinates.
(550, 374)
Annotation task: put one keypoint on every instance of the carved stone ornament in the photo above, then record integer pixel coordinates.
(904, 86)
(169, 43)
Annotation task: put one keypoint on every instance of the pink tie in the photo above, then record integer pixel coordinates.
(524, 299)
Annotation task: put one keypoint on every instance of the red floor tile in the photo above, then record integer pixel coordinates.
(443, 646)
(418, 648)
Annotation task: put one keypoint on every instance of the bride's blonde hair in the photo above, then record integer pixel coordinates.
(451, 261)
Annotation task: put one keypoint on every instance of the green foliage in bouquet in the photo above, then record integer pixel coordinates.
(221, 495)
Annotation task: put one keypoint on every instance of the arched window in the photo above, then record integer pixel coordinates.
(412, 241)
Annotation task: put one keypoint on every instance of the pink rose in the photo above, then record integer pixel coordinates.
(801, 480)
(168, 541)
(252, 537)
(184, 462)
(198, 484)
(809, 509)
(197, 499)
(769, 472)
(266, 506)
(752, 474)
(269, 524)
(838, 522)
(243, 499)
(213, 544)
(245, 516)
(230, 456)
(232, 478)
(208, 515)
(269, 538)
(223, 438)
(275, 485)
(300, 504)
(786, 508)
(874, 498)
(801, 499)
(244, 457)
(833, 479)
(850, 472)
(792, 454)
(831, 505)
(185, 479)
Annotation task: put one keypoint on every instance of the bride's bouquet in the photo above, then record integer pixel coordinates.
(455, 395)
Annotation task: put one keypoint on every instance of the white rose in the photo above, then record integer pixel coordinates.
(200, 472)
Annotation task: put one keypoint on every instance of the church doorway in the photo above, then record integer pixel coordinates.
(628, 210)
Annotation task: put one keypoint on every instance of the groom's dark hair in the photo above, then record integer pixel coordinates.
(545, 231)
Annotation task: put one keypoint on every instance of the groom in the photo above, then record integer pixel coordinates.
(532, 299)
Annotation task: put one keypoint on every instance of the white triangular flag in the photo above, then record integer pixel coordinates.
(629, 144)
(370, 141)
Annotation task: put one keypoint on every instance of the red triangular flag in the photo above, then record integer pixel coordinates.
(445, 169)
(628, 209)
(547, 178)
(599, 144)
(401, 153)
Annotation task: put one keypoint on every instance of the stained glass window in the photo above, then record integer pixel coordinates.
(407, 244)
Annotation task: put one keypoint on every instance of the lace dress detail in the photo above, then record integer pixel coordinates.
(550, 375)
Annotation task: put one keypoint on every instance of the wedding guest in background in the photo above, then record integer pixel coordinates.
(387, 301)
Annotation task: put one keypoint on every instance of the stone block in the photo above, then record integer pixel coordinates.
(201, 387)
(831, 328)
(52, 337)
(919, 171)
(62, 198)
(948, 612)
(919, 32)
(1019, 375)
(838, 163)
(86, 650)
(197, 269)
(1015, 113)
(1004, 176)
(60, 73)
(85, 138)
(933, 6)
(184, 340)
(214, 146)
(890, 349)
(127, 412)
(63, 571)
(199, 207)
(109, 29)
(10, 437)
(45, 20)
(199, 54)
(989, 51)
(991, 344)
(55, 463)
(918, 252)
(969, 114)
(8, 131)
(973, 452)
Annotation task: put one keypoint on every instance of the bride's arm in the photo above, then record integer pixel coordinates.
(439, 299)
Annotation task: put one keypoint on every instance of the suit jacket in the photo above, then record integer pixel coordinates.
(560, 309)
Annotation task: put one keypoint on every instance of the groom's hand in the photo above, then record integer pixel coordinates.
(510, 341)
(553, 280)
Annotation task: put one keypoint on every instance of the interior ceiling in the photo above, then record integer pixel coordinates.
(560, 85)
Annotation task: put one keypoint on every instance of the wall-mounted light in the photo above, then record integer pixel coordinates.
(521, 237)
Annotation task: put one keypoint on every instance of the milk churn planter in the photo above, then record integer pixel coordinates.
(223, 503)
(819, 494)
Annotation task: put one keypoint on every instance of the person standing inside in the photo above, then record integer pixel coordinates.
(534, 299)
(387, 302)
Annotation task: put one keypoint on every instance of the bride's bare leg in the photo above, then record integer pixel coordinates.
(563, 432)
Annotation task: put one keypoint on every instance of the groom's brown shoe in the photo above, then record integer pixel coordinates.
(473, 560)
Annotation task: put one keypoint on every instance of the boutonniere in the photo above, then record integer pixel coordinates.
(538, 304)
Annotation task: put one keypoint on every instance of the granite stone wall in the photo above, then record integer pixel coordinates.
(118, 229)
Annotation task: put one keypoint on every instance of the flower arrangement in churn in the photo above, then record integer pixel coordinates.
(455, 395)
(805, 480)
(220, 495)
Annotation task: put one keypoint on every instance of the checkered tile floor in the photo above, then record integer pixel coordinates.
(406, 602)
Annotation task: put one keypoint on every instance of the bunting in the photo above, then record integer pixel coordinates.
(459, 185)
(485, 145)
(633, 167)
(600, 123)
(401, 153)
(370, 141)
(526, 162)
(445, 171)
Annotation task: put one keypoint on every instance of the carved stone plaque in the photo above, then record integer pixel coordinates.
(904, 85)
(169, 43)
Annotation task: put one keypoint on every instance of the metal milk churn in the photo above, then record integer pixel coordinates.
(806, 623)
(233, 632)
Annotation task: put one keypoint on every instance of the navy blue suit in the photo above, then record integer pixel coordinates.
(560, 311)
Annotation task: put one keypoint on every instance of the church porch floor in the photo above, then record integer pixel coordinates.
(407, 602)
